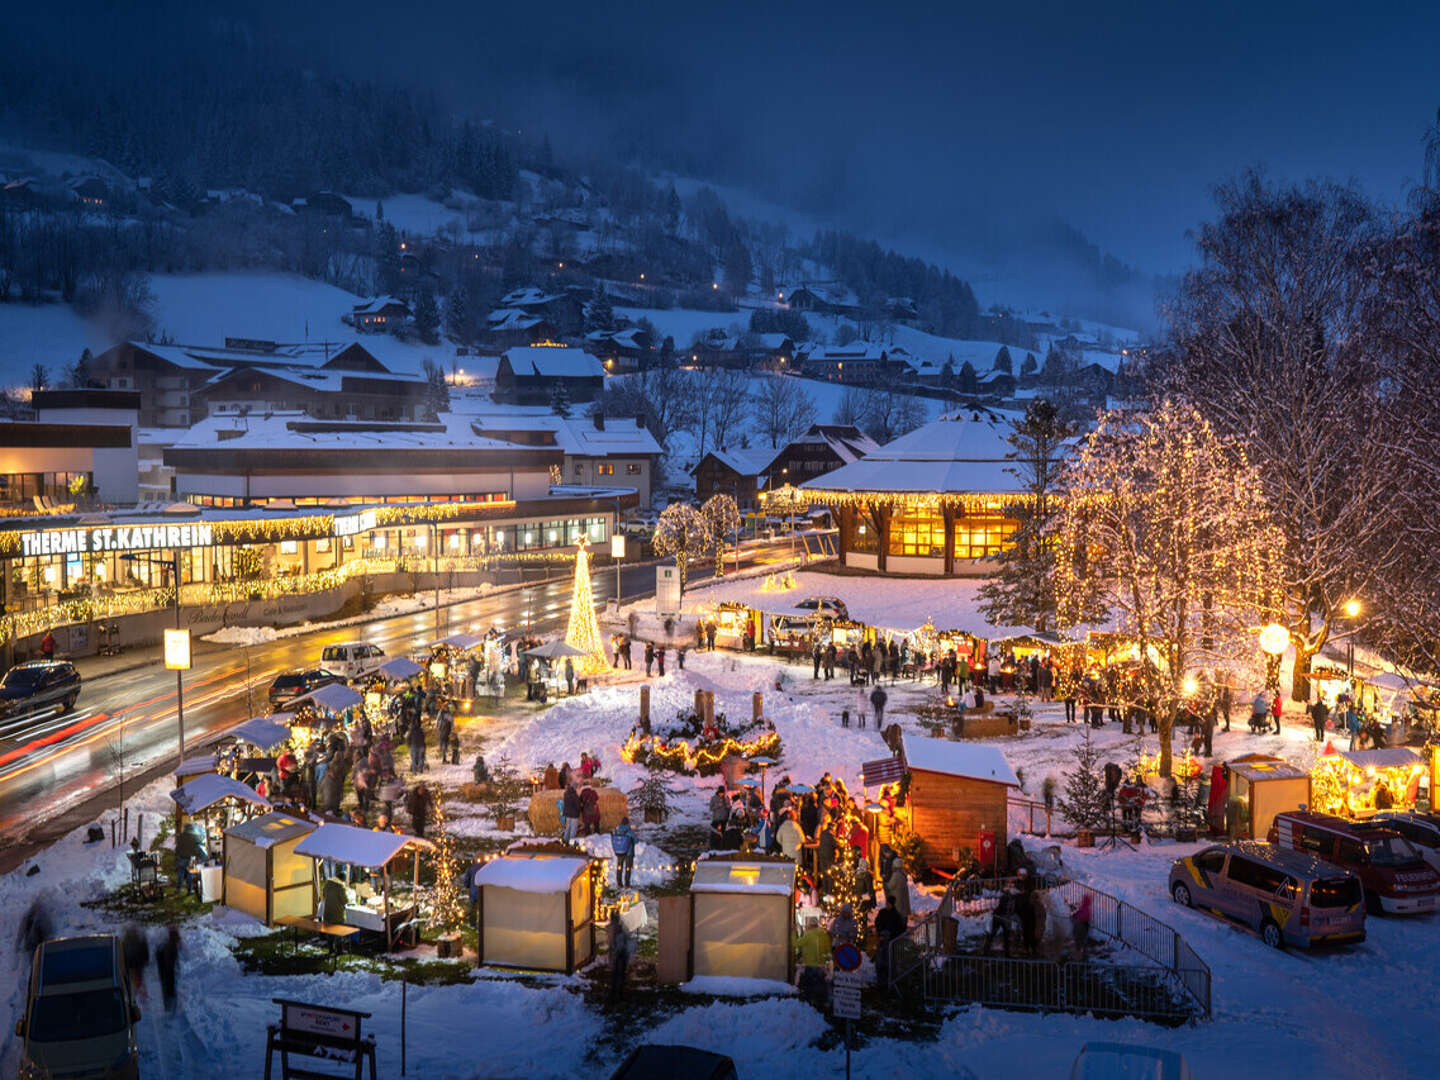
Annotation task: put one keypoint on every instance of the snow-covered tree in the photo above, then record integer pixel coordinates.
(427, 317)
(1022, 592)
(1162, 527)
(722, 519)
(1084, 800)
(681, 532)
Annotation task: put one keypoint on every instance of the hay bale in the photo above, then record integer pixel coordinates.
(544, 812)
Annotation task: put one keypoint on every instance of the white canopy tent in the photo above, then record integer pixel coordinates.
(369, 849)
(332, 697)
(535, 911)
(265, 732)
(209, 789)
(397, 669)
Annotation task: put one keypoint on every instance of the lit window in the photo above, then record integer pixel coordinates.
(917, 533)
(288, 547)
(605, 470)
(378, 543)
(633, 469)
(982, 537)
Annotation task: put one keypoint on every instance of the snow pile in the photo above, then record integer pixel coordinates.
(736, 986)
(247, 635)
(653, 865)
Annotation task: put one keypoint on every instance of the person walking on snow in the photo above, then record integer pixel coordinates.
(167, 959)
(622, 843)
(878, 697)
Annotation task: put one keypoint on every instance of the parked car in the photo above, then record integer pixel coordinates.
(1422, 830)
(656, 1062)
(1397, 879)
(352, 658)
(830, 606)
(80, 1012)
(31, 686)
(1288, 897)
(289, 685)
(1128, 1061)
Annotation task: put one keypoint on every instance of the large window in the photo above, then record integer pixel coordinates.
(866, 538)
(982, 537)
(917, 533)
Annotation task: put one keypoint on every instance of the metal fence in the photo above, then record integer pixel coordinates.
(1177, 985)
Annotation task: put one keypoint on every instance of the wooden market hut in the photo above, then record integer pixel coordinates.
(365, 849)
(1257, 787)
(1345, 782)
(957, 792)
(742, 917)
(263, 876)
(536, 910)
(209, 790)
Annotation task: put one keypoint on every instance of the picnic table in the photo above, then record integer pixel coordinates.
(336, 934)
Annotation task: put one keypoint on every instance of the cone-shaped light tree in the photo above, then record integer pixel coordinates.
(583, 631)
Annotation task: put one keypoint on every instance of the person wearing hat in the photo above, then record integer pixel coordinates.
(843, 930)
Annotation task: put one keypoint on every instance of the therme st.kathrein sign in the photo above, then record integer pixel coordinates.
(117, 538)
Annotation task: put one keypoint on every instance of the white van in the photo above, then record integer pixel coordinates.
(352, 658)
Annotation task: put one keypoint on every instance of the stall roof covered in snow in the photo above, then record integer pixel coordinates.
(399, 667)
(261, 731)
(1265, 767)
(970, 760)
(762, 877)
(270, 829)
(532, 873)
(358, 847)
(1384, 758)
(963, 453)
(333, 696)
(205, 791)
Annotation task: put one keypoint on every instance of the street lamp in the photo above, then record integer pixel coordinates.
(1352, 609)
(1274, 640)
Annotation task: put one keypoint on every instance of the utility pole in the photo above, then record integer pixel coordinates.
(435, 555)
(179, 672)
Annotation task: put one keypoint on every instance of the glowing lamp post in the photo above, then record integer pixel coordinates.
(1352, 609)
(1274, 640)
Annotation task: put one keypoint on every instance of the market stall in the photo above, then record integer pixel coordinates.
(448, 663)
(206, 794)
(957, 799)
(351, 882)
(263, 876)
(536, 910)
(328, 706)
(1259, 786)
(742, 917)
(735, 623)
(547, 669)
(1356, 783)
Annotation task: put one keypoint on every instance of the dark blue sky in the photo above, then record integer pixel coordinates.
(1118, 117)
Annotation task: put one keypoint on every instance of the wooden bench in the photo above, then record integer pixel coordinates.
(336, 934)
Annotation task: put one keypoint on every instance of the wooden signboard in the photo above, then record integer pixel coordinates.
(318, 1035)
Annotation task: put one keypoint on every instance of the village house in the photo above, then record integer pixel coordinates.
(379, 313)
(533, 375)
(740, 472)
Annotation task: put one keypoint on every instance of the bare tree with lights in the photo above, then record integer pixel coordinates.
(1273, 341)
(722, 520)
(681, 532)
(1162, 527)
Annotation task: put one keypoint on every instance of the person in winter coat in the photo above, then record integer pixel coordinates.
(843, 928)
(1258, 708)
(416, 739)
(444, 728)
(878, 697)
(889, 925)
(897, 889)
(622, 843)
(136, 952)
(622, 945)
(329, 791)
(719, 807)
(649, 657)
(810, 815)
(1004, 920)
(817, 654)
(1080, 916)
(791, 839)
(167, 959)
(660, 661)
(825, 856)
(417, 805)
(571, 808)
(589, 810)
(1319, 715)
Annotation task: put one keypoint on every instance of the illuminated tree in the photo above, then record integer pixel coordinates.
(1162, 527)
(681, 532)
(447, 901)
(722, 520)
(583, 632)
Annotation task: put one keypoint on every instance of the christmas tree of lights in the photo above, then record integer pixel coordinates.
(584, 632)
(447, 905)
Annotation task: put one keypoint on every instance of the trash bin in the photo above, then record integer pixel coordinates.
(210, 880)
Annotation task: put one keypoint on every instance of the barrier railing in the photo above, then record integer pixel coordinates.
(1178, 984)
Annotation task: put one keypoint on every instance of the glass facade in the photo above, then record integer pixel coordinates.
(982, 537)
(917, 532)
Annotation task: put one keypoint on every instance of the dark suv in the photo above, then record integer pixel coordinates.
(291, 684)
(80, 1015)
(27, 687)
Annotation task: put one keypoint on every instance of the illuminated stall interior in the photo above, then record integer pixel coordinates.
(1348, 782)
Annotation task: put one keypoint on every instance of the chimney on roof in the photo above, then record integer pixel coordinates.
(599, 421)
(639, 421)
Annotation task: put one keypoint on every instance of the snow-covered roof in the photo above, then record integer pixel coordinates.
(849, 443)
(963, 453)
(554, 362)
(577, 435)
(974, 761)
(745, 460)
(326, 380)
(511, 319)
(540, 873)
(399, 667)
(377, 304)
(294, 430)
(260, 731)
(358, 847)
(335, 697)
(855, 351)
(1383, 758)
(207, 789)
(528, 296)
(764, 877)
(270, 829)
